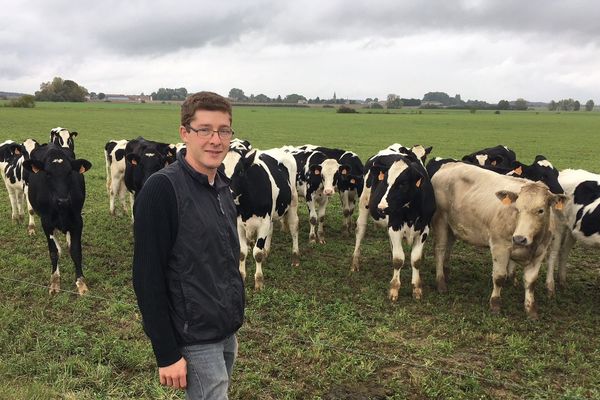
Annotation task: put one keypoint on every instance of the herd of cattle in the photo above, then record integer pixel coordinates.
(525, 214)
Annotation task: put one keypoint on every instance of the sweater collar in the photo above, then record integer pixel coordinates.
(221, 179)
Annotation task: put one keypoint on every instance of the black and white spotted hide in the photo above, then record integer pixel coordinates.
(114, 156)
(63, 138)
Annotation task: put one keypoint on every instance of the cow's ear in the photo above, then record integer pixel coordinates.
(517, 168)
(539, 157)
(495, 160)
(81, 165)
(249, 158)
(133, 158)
(34, 166)
(16, 149)
(74, 133)
(315, 169)
(469, 159)
(507, 197)
(344, 169)
(558, 201)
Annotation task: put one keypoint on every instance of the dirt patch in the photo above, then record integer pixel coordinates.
(353, 391)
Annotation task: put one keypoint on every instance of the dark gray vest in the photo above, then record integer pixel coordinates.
(204, 283)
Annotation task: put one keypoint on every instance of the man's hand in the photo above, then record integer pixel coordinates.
(174, 375)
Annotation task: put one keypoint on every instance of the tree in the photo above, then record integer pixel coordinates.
(520, 104)
(552, 106)
(576, 105)
(61, 90)
(293, 98)
(101, 96)
(503, 105)
(439, 97)
(236, 94)
(25, 101)
(170, 94)
(393, 102)
(262, 98)
(566, 105)
(589, 106)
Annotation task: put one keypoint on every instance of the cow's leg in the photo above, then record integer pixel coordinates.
(397, 261)
(243, 247)
(54, 251)
(131, 199)
(361, 228)
(31, 212)
(530, 275)
(442, 248)
(347, 215)
(262, 236)
(12, 196)
(322, 202)
(351, 205)
(292, 223)
(312, 214)
(501, 258)
(108, 174)
(74, 243)
(113, 192)
(552, 259)
(416, 258)
(20, 197)
(565, 249)
(510, 273)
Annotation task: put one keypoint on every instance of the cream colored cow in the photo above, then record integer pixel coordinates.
(513, 217)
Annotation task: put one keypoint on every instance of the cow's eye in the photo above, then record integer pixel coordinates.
(540, 211)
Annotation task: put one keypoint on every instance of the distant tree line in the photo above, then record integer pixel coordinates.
(569, 105)
(61, 90)
(170, 94)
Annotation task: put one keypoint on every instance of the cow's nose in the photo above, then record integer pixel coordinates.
(328, 192)
(520, 240)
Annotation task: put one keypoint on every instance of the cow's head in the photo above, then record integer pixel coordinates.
(540, 171)
(63, 138)
(243, 175)
(145, 164)
(324, 173)
(396, 187)
(421, 152)
(348, 181)
(60, 173)
(534, 206)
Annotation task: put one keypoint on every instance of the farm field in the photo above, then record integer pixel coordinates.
(317, 331)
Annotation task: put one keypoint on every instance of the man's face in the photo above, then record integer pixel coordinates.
(206, 153)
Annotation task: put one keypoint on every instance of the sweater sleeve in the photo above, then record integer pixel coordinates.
(155, 229)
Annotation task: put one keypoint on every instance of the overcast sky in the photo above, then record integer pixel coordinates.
(486, 50)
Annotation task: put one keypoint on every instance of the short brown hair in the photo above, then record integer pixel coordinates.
(203, 101)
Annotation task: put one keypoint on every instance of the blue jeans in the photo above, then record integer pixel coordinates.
(209, 369)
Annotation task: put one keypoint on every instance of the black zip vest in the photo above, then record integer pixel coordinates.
(205, 286)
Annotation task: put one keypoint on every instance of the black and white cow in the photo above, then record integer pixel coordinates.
(582, 221)
(114, 156)
(142, 159)
(499, 156)
(398, 195)
(16, 180)
(62, 137)
(237, 149)
(264, 190)
(57, 194)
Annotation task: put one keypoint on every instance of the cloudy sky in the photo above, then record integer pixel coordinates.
(487, 50)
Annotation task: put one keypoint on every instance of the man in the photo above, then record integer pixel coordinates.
(186, 256)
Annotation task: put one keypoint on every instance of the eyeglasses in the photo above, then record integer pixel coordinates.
(224, 132)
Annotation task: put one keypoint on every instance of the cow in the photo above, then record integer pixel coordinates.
(499, 156)
(57, 194)
(582, 221)
(264, 190)
(398, 195)
(63, 137)
(237, 149)
(114, 156)
(514, 217)
(142, 159)
(16, 180)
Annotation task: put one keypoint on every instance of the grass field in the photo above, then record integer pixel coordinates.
(317, 331)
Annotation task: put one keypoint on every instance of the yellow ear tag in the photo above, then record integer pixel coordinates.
(418, 184)
(344, 172)
(317, 172)
(353, 181)
(17, 152)
(81, 169)
(35, 169)
(494, 163)
(518, 171)
(381, 175)
(559, 205)
(506, 201)
(133, 162)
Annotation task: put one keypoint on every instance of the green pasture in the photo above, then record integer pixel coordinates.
(317, 331)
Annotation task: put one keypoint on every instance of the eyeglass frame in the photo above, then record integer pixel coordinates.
(212, 131)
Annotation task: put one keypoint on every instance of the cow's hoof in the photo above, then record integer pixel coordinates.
(417, 293)
(81, 287)
(495, 305)
(295, 260)
(532, 315)
(322, 241)
(54, 284)
(259, 284)
(550, 291)
(442, 287)
(31, 230)
(393, 294)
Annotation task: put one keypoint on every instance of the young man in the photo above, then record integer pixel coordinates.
(186, 256)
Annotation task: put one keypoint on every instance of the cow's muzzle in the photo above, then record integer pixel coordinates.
(520, 240)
